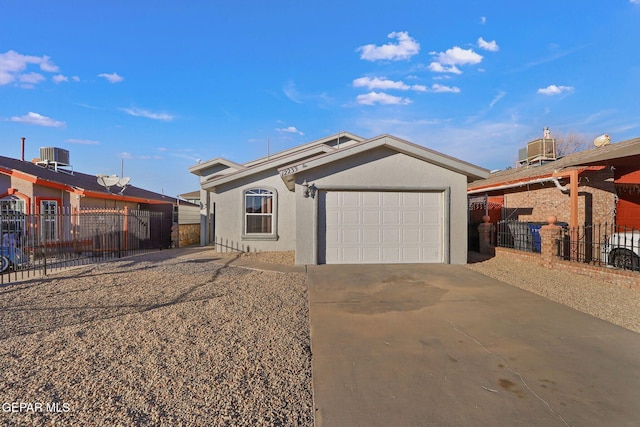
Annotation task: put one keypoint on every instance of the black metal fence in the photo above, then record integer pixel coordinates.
(598, 244)
(601, 244)
(523, 236)
(35, 244)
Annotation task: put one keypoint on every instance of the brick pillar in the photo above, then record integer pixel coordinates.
(549, 235)
(484, 231)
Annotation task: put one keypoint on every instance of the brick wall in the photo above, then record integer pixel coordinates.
(613, 276)
(596, 200)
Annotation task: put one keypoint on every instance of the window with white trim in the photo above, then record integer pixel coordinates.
(48, 212)
(12, 214)
(259, 212)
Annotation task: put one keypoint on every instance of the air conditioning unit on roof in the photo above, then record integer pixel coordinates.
(54, 155)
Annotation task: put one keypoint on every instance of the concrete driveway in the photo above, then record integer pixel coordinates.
(421, 345)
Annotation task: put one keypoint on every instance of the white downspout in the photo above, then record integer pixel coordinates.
(521, 184)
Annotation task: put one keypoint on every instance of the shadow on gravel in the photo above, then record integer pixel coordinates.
(54, 302)
(475, 257)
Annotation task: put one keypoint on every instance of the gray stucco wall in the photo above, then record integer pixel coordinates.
(229, 215)
(297, 216)
(387, 170)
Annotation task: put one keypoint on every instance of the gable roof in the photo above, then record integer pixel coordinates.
(582, 160)
(201, 168)
(77, 183)
(335, 141)
(417, 151)
(275, 161)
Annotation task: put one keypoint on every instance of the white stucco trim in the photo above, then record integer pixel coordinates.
(472, 172)
(197, 169)
(327, 141)
(211, 184)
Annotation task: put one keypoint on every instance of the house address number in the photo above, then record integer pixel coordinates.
(289, 171)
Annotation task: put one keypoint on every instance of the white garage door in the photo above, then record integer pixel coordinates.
(381, 227)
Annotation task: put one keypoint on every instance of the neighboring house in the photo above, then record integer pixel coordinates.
(191, 197)
(48, 187)
(188, 219)
(596, 186)
(341, 199)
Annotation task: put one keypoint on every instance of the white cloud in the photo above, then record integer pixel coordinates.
(447, 61)
(37, 119)
(75, 78)
(12, 64)
(82, 141)
(501, 94)
(404, 49)
(139, 112)
(386, 84)
(112, 78)
(29, 80)
(483, 20)
(47, 65)
(373, 98)
(491, 46)
(292, 93)
(59, 78)
(634, 1)
(438, 88)
(457, 56)
(555, 90)
(437, 67)
(379, 83)
(290, 129)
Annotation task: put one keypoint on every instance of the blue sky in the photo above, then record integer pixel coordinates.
(162, 84)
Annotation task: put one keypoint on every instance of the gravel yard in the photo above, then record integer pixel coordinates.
(178, 338)
(615, 304)
(169, 338)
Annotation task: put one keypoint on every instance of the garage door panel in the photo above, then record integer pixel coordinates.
(382, 227)
(391, 236)
(350, 236)
(370, 199)
(370, 255)
(391, 199)
(350, 253)
(391, 217)
(411, 255)
(371, 217)
(349, 217)
(372, 237)
(411, 236)
(350, 199)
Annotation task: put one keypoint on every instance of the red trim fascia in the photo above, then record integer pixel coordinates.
(18, 174)
(514, 181)
(563, 174)
(36, 180)
(122, 198)
(73, 190)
